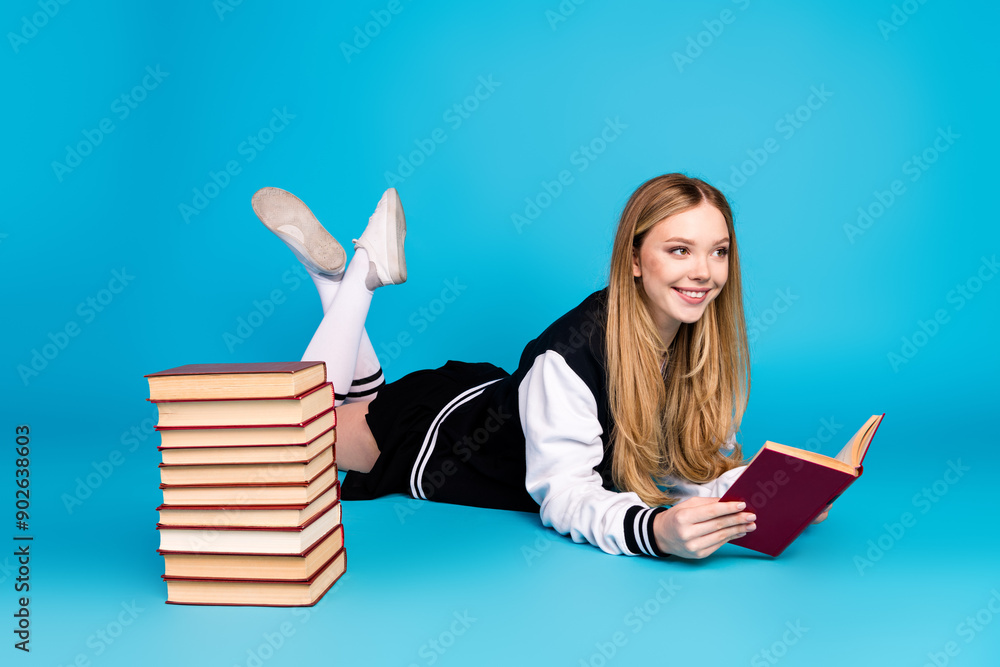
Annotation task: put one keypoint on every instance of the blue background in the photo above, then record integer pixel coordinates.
(830, 301)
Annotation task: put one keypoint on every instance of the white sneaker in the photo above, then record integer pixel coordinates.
(285, 215)
(383, 240)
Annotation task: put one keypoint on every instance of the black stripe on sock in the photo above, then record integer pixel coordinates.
(370, 378)
(366, 392)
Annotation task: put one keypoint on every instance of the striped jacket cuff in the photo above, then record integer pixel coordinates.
(639, 537)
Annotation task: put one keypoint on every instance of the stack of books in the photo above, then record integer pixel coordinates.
(251, 509)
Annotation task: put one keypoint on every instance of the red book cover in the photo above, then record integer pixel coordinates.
(228, 369)
(236, 508)
(250, 484)
(254, 411)
(236, 585)
(242, 426)
(303, 445)
(303, 554)
(787, 491)
(786, 494)
(169, 577)
(207, 381)
(299, 528)
(297, 397)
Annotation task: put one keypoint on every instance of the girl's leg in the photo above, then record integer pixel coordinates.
(378, 260)
(336, 342)
(356, 447)
(338, 336)
(341, 340)
(367, 378)
(323, 258)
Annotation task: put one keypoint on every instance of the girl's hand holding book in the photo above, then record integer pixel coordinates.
(697, 527)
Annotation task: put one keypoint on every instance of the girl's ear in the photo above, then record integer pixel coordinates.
(636, 266)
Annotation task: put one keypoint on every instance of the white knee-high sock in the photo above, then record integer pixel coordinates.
(326, 285)
(339, 336)
(367, 378)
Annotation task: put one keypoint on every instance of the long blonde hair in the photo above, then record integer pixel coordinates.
(672, 421)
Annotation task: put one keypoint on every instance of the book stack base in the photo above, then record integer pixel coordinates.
(251, 510)
(269, 580)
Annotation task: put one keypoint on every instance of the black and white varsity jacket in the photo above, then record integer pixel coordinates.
(562, 404)
(546, 426)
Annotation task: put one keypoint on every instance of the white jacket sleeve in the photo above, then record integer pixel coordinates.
(563, 445)
(716, 488)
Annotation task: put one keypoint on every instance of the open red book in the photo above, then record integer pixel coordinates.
(788, 487)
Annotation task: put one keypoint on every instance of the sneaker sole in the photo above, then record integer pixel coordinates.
(397, 229)
(279, 208)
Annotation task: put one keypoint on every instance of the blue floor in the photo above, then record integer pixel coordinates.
(432, 584)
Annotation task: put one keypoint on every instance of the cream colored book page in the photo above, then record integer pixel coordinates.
(847, 454)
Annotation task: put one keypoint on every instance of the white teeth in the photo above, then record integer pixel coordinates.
(693, 295)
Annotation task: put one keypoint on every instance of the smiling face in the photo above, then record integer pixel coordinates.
(683, 264)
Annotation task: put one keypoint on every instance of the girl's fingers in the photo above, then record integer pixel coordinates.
(709, 544)
(718, 531)
(712, 509)
(727, 520)
(710, 524)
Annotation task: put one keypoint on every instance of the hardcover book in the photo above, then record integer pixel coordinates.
(245, 411)
(250, 494)
(247, 436)
(788, 487)
(251, 511)
(247, 515)
(248, 567)
(259, 380)
(249, 539)
(296, 453)
(246, 473)
(277, 593)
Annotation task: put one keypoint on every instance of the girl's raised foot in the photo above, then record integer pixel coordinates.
(383, 239)
(292, 221)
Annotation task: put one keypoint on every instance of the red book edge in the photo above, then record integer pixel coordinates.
(298, 506)
(234, 426)
(293, 444)
(217, 486)
(299, 528)
(306, 462)
(297, 397)
(249, 604)
(239, 368)
(167, 552)
(319, 571)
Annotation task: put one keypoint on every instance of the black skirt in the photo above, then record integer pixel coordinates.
(450, 435)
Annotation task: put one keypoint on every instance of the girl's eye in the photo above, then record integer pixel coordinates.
(722, 252)
(678, 251)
